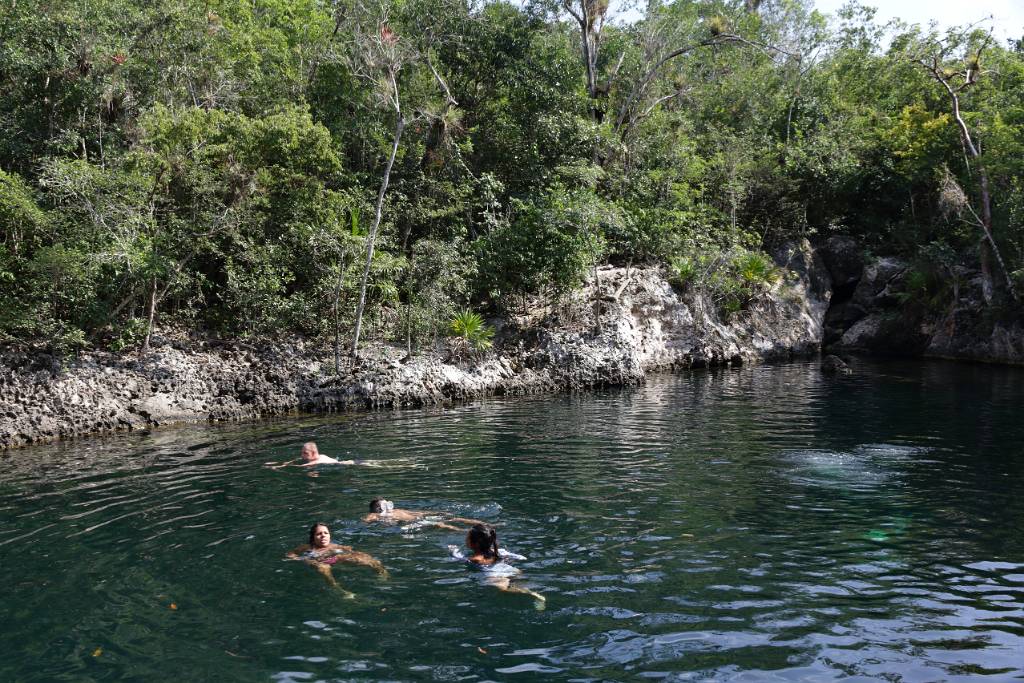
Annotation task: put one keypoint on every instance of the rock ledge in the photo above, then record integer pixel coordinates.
(646, 326)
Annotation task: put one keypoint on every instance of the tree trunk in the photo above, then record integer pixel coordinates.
(371, 238)
(988, 247)
(408, 330)
(152, 315)
(589, 45)
(337, 320)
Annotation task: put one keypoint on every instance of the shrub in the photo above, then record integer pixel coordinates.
(731, 279)
(437, 280)
(550, 243)
(683, 270)
(756, 269)
(931, 278)
(471, 332)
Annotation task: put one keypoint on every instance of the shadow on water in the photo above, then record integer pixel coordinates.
(746, 524)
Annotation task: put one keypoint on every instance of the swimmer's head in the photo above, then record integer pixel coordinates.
(381, 506)
(483, 539)
(310, 451)
(319, 535)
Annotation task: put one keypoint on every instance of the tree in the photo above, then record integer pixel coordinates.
(378, 54)
(550, 243)
(667, 33)
(957, 74)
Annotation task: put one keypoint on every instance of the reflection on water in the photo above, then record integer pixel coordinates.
(764, 523)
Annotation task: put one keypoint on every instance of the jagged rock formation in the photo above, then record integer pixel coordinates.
(646, 326)
(880, 312)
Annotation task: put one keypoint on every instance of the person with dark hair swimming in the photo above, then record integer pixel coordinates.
(482, 541)
(322, 555)
(383, 510)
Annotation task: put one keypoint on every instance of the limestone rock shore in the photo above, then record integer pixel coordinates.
(645, 325)
(881, 311)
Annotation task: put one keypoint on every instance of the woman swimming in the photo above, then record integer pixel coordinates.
(482, 541)
(322, 555)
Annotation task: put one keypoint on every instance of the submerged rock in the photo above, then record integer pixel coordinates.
(834, 365)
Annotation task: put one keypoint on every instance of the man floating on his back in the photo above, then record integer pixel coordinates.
(311, 456)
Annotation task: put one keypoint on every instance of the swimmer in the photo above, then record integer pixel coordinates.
(322, 555)
(383, 510)
(482, 541)
(309, 457)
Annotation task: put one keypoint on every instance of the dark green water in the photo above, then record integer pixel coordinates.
(755, 524)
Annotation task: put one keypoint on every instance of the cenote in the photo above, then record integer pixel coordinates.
(758, 523)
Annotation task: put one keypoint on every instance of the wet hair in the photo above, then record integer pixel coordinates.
(484, 540)
(312, 530)
(375, 505)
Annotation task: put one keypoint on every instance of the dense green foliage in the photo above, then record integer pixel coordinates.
(216, 164)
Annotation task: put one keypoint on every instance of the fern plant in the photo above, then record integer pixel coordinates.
(683, 271)
(756, 269)
(469, 327)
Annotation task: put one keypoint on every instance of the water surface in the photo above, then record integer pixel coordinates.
(761, 523)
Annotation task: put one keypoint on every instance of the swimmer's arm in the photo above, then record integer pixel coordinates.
(279, 465)
(295, 553)
(506, 555)
(372, 517)
(418, 514)
(418, 523)
(356, 557)
(464, 520)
